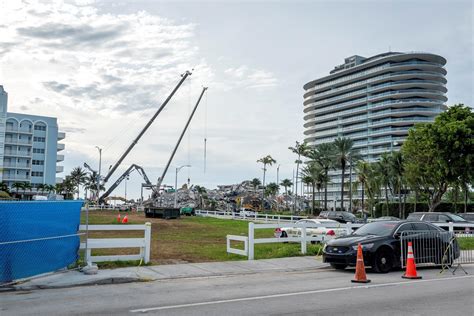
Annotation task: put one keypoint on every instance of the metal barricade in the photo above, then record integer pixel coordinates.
(430, 247)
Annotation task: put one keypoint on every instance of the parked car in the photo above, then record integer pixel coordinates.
(441, 218)
(381, 245)
(467, 216)
(333, 230)
(383, 218)
(340, 216)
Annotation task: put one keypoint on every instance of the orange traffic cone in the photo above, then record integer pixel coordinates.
(360, 276)
(118, 218)
(125, 219)
(411, 266)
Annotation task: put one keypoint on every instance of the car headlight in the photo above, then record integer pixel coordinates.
(364, 246)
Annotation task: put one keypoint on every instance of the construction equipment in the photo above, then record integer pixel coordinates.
(160, 179)
(123, 176)
(135, 141)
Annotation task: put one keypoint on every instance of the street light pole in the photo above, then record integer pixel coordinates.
(350, 183)
(176, 185)
(127, 178)
(278, 183)
(98, 176)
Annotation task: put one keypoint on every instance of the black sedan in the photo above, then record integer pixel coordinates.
(381, 245)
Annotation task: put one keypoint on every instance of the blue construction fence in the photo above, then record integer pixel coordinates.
(37, 237)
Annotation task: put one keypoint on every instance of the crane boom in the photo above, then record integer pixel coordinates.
(123, 176)
(160, 180)
(135, 141)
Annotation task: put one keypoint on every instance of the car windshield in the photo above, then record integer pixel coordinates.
(457, 218)
(350, 215)
(376, 228)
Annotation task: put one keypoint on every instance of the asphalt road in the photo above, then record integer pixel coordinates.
(312, 292)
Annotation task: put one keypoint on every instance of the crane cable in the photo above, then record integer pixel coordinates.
(205, 135)
(189, 132)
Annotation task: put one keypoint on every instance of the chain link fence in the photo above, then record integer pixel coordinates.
(37, 237)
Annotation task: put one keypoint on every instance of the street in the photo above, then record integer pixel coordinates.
(310, 292)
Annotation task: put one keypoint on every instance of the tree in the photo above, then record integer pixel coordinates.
(441, 153)
(267, 160)
(18, 186)
(315, 175)
(286, 183)
(363, 172)
(27, 186)
(4, 187)
(78, 177)
(383, 168)
(300, 149)
(272, 188)
(255, 183)
(41, 187)
(344, 154)
(323, 154)
(397, 167)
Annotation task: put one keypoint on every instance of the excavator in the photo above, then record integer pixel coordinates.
(151, 205)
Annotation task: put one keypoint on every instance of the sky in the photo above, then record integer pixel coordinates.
(104, 67)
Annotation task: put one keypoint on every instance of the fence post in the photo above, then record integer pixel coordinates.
(255, 216)
(251, 241)
(451, 226)
(349, 228)
(278, 219)
(303, 239)
(291, 218)
(147, 241)
(266, 218)
(244, 215)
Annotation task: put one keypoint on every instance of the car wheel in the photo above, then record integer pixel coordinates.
(283, 234)
(383, 261)
(338, 266)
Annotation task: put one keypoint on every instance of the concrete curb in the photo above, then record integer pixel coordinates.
(168, 272)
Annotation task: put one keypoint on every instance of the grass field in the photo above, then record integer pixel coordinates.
(466, 243)
(189, 239)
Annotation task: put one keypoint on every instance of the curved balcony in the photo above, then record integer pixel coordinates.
(373, 64)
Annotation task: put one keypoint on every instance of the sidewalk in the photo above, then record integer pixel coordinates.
(172, 271)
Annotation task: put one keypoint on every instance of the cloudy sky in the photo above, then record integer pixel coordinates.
(103, 67)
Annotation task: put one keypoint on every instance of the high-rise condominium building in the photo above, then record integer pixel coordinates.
(374, 101)
(28, 147)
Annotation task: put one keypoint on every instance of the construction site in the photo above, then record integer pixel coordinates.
(166, 201)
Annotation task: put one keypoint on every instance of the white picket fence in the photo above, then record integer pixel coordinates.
(104, 243)
(250, 240)
(257, 217)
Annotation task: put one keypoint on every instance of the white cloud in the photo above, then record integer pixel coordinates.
(103, 75)
(245, 77)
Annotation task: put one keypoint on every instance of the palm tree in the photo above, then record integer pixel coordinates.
(267, 160)
(68, 187)
(300, 150)
(272, 189)
(50, 188)
(315, 175)
(344, 154)
(398, 169)
(383, 167)
(323, 154)
(78, 177)
(18, 186)
(255, 183)
(363, 169)
(41, 187)
(27, 186)
(286, 183)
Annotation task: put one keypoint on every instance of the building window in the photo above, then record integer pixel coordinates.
(37, 162)
(38, 150)
(39, 139)
(40, 128)
(36, 174)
